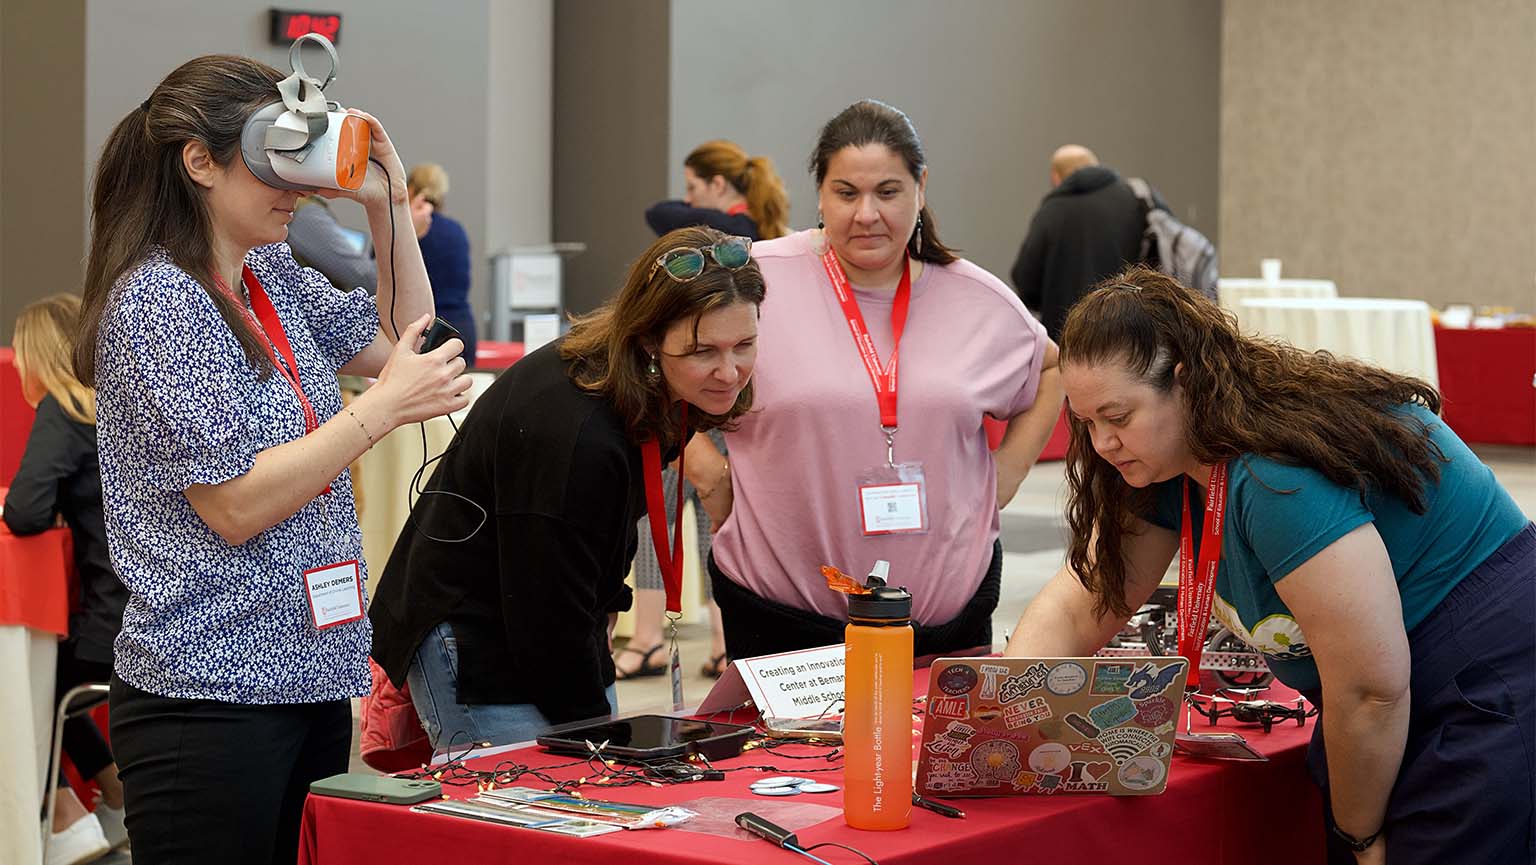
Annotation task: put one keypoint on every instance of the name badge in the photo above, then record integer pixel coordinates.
(335, 594)
(891, 508)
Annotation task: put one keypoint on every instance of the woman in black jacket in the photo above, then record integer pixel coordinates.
(504, 628)
(58, 477)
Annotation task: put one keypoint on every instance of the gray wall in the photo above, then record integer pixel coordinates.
(1386, 145)
(993, 87)
(610, 150)
(468, 86)
(42, 231)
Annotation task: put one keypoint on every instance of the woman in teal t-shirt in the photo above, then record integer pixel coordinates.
(1369, 555)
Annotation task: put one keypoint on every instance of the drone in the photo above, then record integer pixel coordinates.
(1240, 705)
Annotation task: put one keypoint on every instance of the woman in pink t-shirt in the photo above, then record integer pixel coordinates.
(829, 469)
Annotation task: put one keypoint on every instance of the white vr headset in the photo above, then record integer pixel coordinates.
(303, 141)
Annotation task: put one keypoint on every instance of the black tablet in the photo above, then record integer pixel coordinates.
(645, 738)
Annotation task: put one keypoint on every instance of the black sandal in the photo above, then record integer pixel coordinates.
(645, 669)
(716, 666)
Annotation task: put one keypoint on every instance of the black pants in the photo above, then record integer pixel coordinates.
(82, 738)
(206, 781)
(756, 626)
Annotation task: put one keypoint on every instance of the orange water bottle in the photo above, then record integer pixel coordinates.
(877, 710)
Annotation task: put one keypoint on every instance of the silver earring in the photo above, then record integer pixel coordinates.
(653, 372)
(917, 236)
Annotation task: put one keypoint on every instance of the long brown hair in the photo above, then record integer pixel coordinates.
(1242, 395)
(143, 196)
(44, 343)
(607, 347)
(870, 121)
(752, 176)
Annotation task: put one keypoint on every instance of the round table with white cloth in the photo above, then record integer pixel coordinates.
(1232, 291)
(1396, 335)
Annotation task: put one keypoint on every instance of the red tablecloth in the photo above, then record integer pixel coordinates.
(1486, 380)
(490, 354)
(15, 417)
(1211, 813)
(35, 573)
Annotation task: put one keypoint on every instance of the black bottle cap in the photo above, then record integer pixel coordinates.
(885, 602)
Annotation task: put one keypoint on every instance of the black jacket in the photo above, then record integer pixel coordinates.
(529, 594)
(59, 474)
(1086, 229)
(665, 216)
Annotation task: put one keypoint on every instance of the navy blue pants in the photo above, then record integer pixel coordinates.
(1464, 792)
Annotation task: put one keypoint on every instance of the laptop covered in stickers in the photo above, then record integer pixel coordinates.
(1024, 726)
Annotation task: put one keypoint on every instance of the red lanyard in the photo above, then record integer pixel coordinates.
(655, 505)
(1197, 586)
(884, 381)
(272, 326)
(736, 209)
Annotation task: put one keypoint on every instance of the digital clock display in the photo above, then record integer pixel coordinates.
(290, 24)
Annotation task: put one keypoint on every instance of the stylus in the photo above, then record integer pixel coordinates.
(937, 807)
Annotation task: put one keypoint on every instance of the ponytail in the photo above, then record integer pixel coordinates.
(767, 202)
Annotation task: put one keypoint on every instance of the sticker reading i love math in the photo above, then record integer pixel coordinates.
(335, 594)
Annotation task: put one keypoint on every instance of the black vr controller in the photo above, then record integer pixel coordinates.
(438, 333)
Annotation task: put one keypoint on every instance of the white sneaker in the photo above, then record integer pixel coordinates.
(112, 827)
(82, 841)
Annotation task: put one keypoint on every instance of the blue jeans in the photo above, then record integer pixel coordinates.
(434, 682)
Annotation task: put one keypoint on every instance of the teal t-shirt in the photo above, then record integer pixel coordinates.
(1279, 516)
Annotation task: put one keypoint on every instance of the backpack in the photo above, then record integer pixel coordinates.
(1174, 248)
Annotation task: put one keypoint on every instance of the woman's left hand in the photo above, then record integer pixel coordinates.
(376, 191)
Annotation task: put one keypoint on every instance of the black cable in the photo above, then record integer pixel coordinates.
(415, 485)
(861, 854)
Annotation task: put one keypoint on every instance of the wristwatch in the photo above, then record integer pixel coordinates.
(1359, 845)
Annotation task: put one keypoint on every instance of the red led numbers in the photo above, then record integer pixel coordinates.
(288, 25)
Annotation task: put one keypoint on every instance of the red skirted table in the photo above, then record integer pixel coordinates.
(1055, 447)
(35, 577)
(1211, 813)
(490, 354)
(1488, 383)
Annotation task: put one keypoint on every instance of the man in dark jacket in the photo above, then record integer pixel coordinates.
(1088, 227)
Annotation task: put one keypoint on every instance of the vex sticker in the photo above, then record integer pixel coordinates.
(1066, 679)
(1112, 714)
(1025, 713)
(1022, 685)
(949, 707)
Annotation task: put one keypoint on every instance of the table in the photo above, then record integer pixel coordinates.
(35, 575)
(1393, 334)
(1231, 291)
(1488, 383)
(15, 417)
(491, 354)
(1211, 813)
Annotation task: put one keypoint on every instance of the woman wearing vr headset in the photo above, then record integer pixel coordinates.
(835, 470)
(507, 631)
(224, 448)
